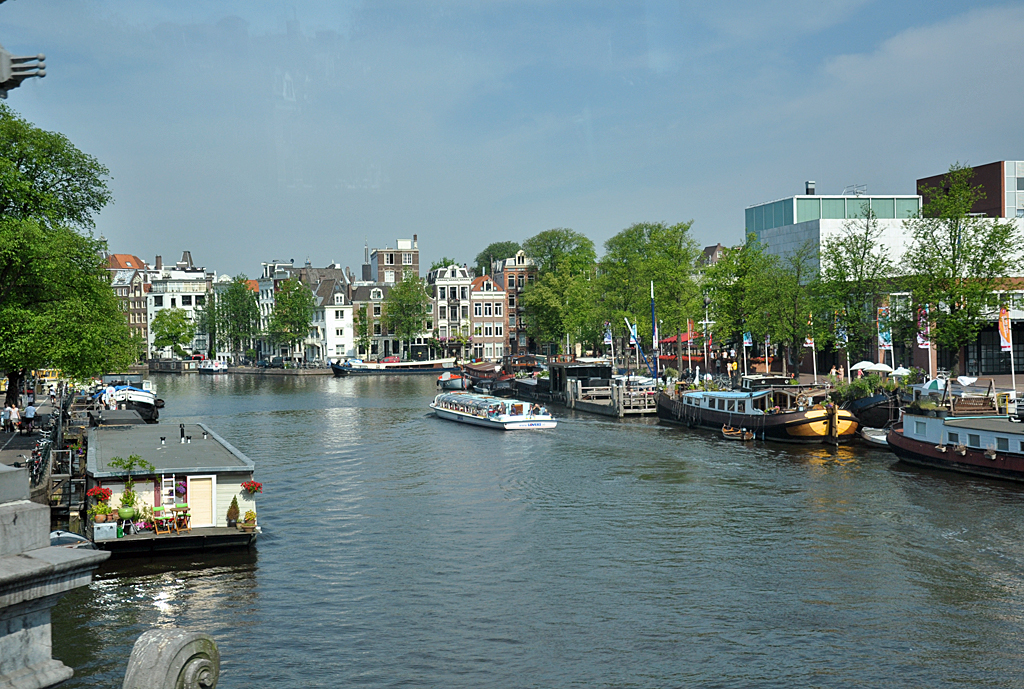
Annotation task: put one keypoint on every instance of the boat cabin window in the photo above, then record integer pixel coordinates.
(721, 405)
(920, 428)
(732, 405)
(974, 440)
(1003, 444)
(711, 403)
(954, 438)
(1022, 445)
(741, 406)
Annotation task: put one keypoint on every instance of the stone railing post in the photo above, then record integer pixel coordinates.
(173, 659)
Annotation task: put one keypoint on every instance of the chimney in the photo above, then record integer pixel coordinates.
(810, 187)
(159, 263)
(415, 244)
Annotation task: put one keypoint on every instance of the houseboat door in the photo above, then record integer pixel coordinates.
(202, 491)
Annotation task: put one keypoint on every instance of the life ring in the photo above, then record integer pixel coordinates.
(801, 401)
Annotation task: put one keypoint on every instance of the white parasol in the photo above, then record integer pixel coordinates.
(878, 368)
(861, 365)
(901, 371)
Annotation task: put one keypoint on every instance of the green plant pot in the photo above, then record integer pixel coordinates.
(126, 512)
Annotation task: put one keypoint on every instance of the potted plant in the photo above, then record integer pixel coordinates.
(129, 499)
(252, 487)
(99, 511)
(233, 512)
(249, 523)
(181, 491)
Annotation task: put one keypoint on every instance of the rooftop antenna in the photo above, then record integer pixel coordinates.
(855, 190)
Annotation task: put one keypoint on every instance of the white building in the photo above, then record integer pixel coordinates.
(334, 319)
(183, 287)
(450, 289)
(785, 225)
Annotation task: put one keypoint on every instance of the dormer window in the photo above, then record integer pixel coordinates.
(376, 294)
(339, 299)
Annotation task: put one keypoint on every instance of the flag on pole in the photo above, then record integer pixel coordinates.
(884, 329)
(748, 340)
(923, 328)
(1005, 336)
(689, 328)
(842, 336)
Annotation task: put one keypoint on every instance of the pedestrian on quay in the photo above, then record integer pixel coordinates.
(832, 372)
(6, 418)
(15, 417)
(30, 417)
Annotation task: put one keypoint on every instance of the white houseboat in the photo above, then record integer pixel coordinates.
(491, 412)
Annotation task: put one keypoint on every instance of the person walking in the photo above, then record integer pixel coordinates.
(15, 417)
(30, 416)
(5, 419)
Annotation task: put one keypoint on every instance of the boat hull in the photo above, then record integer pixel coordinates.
(404, 368)
(803, 427)
(528, 424)
(973, 461)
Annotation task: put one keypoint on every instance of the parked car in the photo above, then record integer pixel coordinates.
(198, 357)
(262, 363)
(277, 362)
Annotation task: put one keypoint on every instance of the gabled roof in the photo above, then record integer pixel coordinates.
(253, 285)
(125, 261)
(362, 292)
(478, 284)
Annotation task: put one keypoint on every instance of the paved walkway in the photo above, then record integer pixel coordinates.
(13, 445)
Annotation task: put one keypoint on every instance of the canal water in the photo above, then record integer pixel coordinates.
(403, 550)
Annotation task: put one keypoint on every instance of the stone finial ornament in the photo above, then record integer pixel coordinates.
(173, 659)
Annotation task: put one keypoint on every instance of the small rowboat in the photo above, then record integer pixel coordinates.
(730, 433)
(875, 436)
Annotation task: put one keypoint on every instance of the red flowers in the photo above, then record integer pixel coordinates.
(100, 493)
(252, 487)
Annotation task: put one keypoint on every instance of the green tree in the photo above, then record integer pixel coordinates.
(559, 304)
(560, 250)
(172, 328)
(742, 291)
(362, 324)
(238, 316)
(444, 263)
(207, 324)
(791, 294)
(56, 305)
(957, 260)
(855, 275)
(639, 255)
(406, 308)
(293, 313)
(495, 251)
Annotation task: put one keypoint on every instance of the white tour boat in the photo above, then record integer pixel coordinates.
(491, 412)
(213, 366)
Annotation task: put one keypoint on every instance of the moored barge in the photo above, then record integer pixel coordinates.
(795, 415)
(989, 445)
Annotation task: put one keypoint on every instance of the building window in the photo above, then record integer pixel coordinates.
(511, 320)
(172, 303)
(200, 300)
(389, 276)
(478, 351)
(487, 309)
(376, 309)
(186, 300)
(376, 328)
(478, 330)
(499, 330)
(376, 294)
(442, 332)
(1003, 444)
(465, 293)
(523, 341)
(339, 314)
(521, 280)
(499, 351)
(465, 313)
(430, 325)
(477, 309)
(498, 310)
(406, 259)
(389, 259)
(954, 438)
(488, 330)
(511, 301)
(442, 312)
(339, 332)
(973, 439)
(920, 428)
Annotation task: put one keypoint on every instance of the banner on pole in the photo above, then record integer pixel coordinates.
(748, 340)
(607, 335)
(884, 329)
(842, 336)
(1005, 336)
(809, 340)
(689, 328)
(633, 339)
(924, 340)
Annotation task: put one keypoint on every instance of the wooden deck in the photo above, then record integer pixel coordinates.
(207, 539)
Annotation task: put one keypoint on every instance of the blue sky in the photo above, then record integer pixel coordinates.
(260, 130)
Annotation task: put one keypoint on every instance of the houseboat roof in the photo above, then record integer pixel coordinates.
(996, 424)
(210, 456)
(729, 394)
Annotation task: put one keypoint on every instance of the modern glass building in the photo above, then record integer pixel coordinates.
(785, 225)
